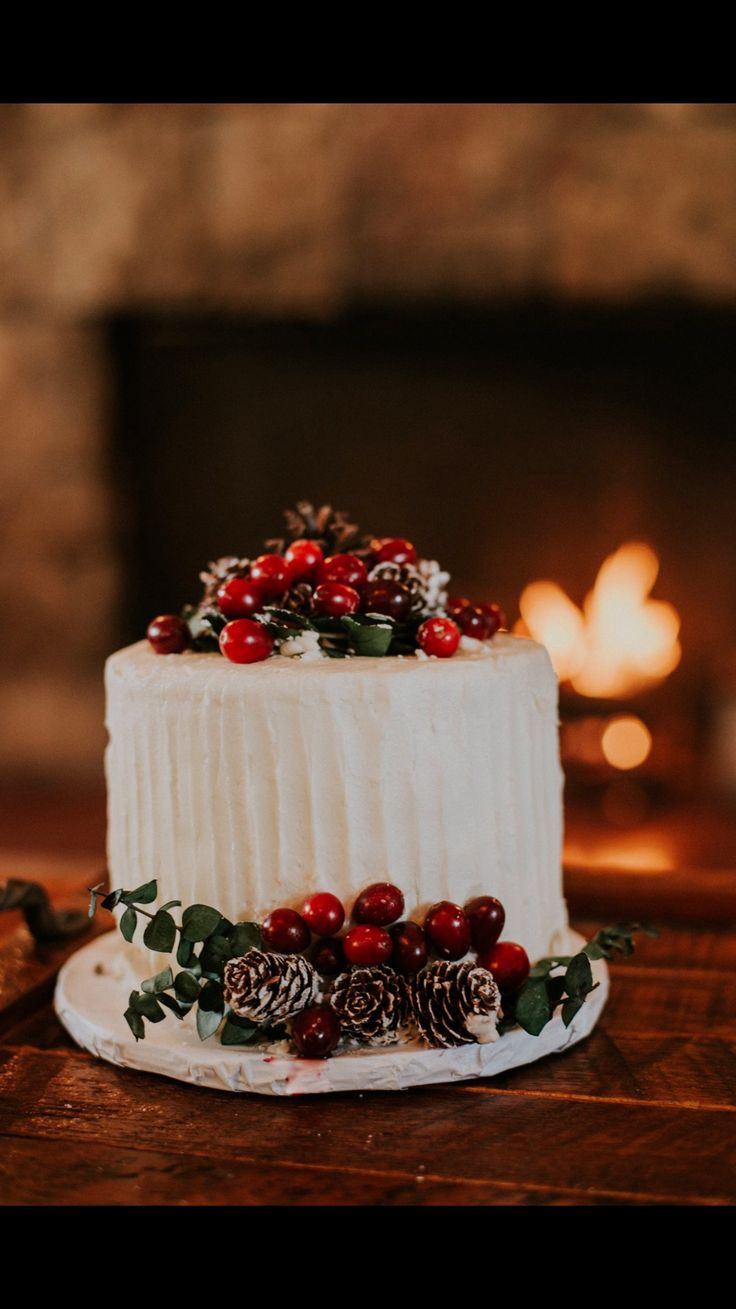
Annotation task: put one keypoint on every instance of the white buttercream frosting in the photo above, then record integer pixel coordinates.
(249, 787)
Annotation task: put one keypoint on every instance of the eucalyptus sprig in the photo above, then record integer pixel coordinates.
(567, 979)
(200, 979)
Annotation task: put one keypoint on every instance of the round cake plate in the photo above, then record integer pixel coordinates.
(92, 991)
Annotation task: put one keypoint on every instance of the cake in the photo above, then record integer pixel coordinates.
(368, 744)
(253, 786)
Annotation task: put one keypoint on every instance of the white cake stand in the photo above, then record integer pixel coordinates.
(94, 984)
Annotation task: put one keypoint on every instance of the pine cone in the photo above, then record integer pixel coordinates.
(371, 1003)
(300, 599)
(330, 528)
(219, 571)
(455, 1003)
(408, 575)
(269, 988)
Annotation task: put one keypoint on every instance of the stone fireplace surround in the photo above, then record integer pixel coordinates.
(283, 210)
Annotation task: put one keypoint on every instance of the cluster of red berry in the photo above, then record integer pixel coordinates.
(379, 936)
(340, 586)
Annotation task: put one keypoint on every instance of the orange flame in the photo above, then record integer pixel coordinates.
(621, 641)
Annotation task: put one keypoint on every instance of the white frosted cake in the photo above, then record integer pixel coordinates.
(250, 786)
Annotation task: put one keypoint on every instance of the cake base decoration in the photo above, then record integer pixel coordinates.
(276, 1000)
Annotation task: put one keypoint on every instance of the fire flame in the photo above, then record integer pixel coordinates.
(621, 641)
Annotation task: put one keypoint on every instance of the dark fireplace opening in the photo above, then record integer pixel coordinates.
(517, 443)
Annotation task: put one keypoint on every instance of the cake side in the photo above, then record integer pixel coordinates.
(249, 787)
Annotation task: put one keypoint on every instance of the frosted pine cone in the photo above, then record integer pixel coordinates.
(269, 988)
(425, 580)
(455, 1003)
(372, 1003)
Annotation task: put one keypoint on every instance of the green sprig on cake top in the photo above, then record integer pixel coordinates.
(325, 590)
(448, 981)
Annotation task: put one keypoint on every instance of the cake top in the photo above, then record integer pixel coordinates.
(326, 591)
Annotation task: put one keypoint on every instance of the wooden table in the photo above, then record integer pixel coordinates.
(643, 1112)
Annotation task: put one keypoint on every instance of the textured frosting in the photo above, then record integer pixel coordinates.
(250, 786)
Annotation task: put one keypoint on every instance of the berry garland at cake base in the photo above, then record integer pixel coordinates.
(94, 982)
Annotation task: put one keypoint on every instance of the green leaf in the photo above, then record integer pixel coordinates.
(112, 899)
(128, 923)
(135, 1023)
(199, 921)
(571, 1007)
(555, 987)
(161, 982)
(142, 895)
(543, 967)
(160, 933)
(368, 638)
(533, 1010)
(147, 1005)
(214, 954)
(184, 952)
(186, 987)
(211, 997)
(173, 1005)
(579, 978)
(170, 904)
(238, 1031)
(245, 937)
(297, 622)
(208, 1021)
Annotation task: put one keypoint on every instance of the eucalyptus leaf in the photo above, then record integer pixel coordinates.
(533, 1010)
(168, 1000)
(245, 937)
(211, 998)
(145, 894)
(368, 639)
(170, 904)
(135, 1023)
(579, 978)
(147, 1005)
(571, 1007)
(239, 1032)
(184, 952)
(186, 986)
(555, 987)
(128, 923)
(112, 899)
(160, 933)
(161, 982)
(199, 921)
(208, 1021)
(215, 953)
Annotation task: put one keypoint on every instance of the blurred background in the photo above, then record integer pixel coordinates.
(505, 331)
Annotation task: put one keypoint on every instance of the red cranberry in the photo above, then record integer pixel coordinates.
(333, 599)
(439, 636)
(457, 602)
(473, 622)
(495, 616)
(487, 917)
(410, 947)
(241, 597)
(367, 944)
(324, 913)
(303, 558)
(347, 569)
(316, 1031)
(386, 597)
(285, 931)
(329, 957)
(168, 634)
(509, 964)
(448, 929)
(272, 573)
(380, 904)
(395, 550)
(245, 642)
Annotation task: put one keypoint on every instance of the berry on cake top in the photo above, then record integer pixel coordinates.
(326, 591)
